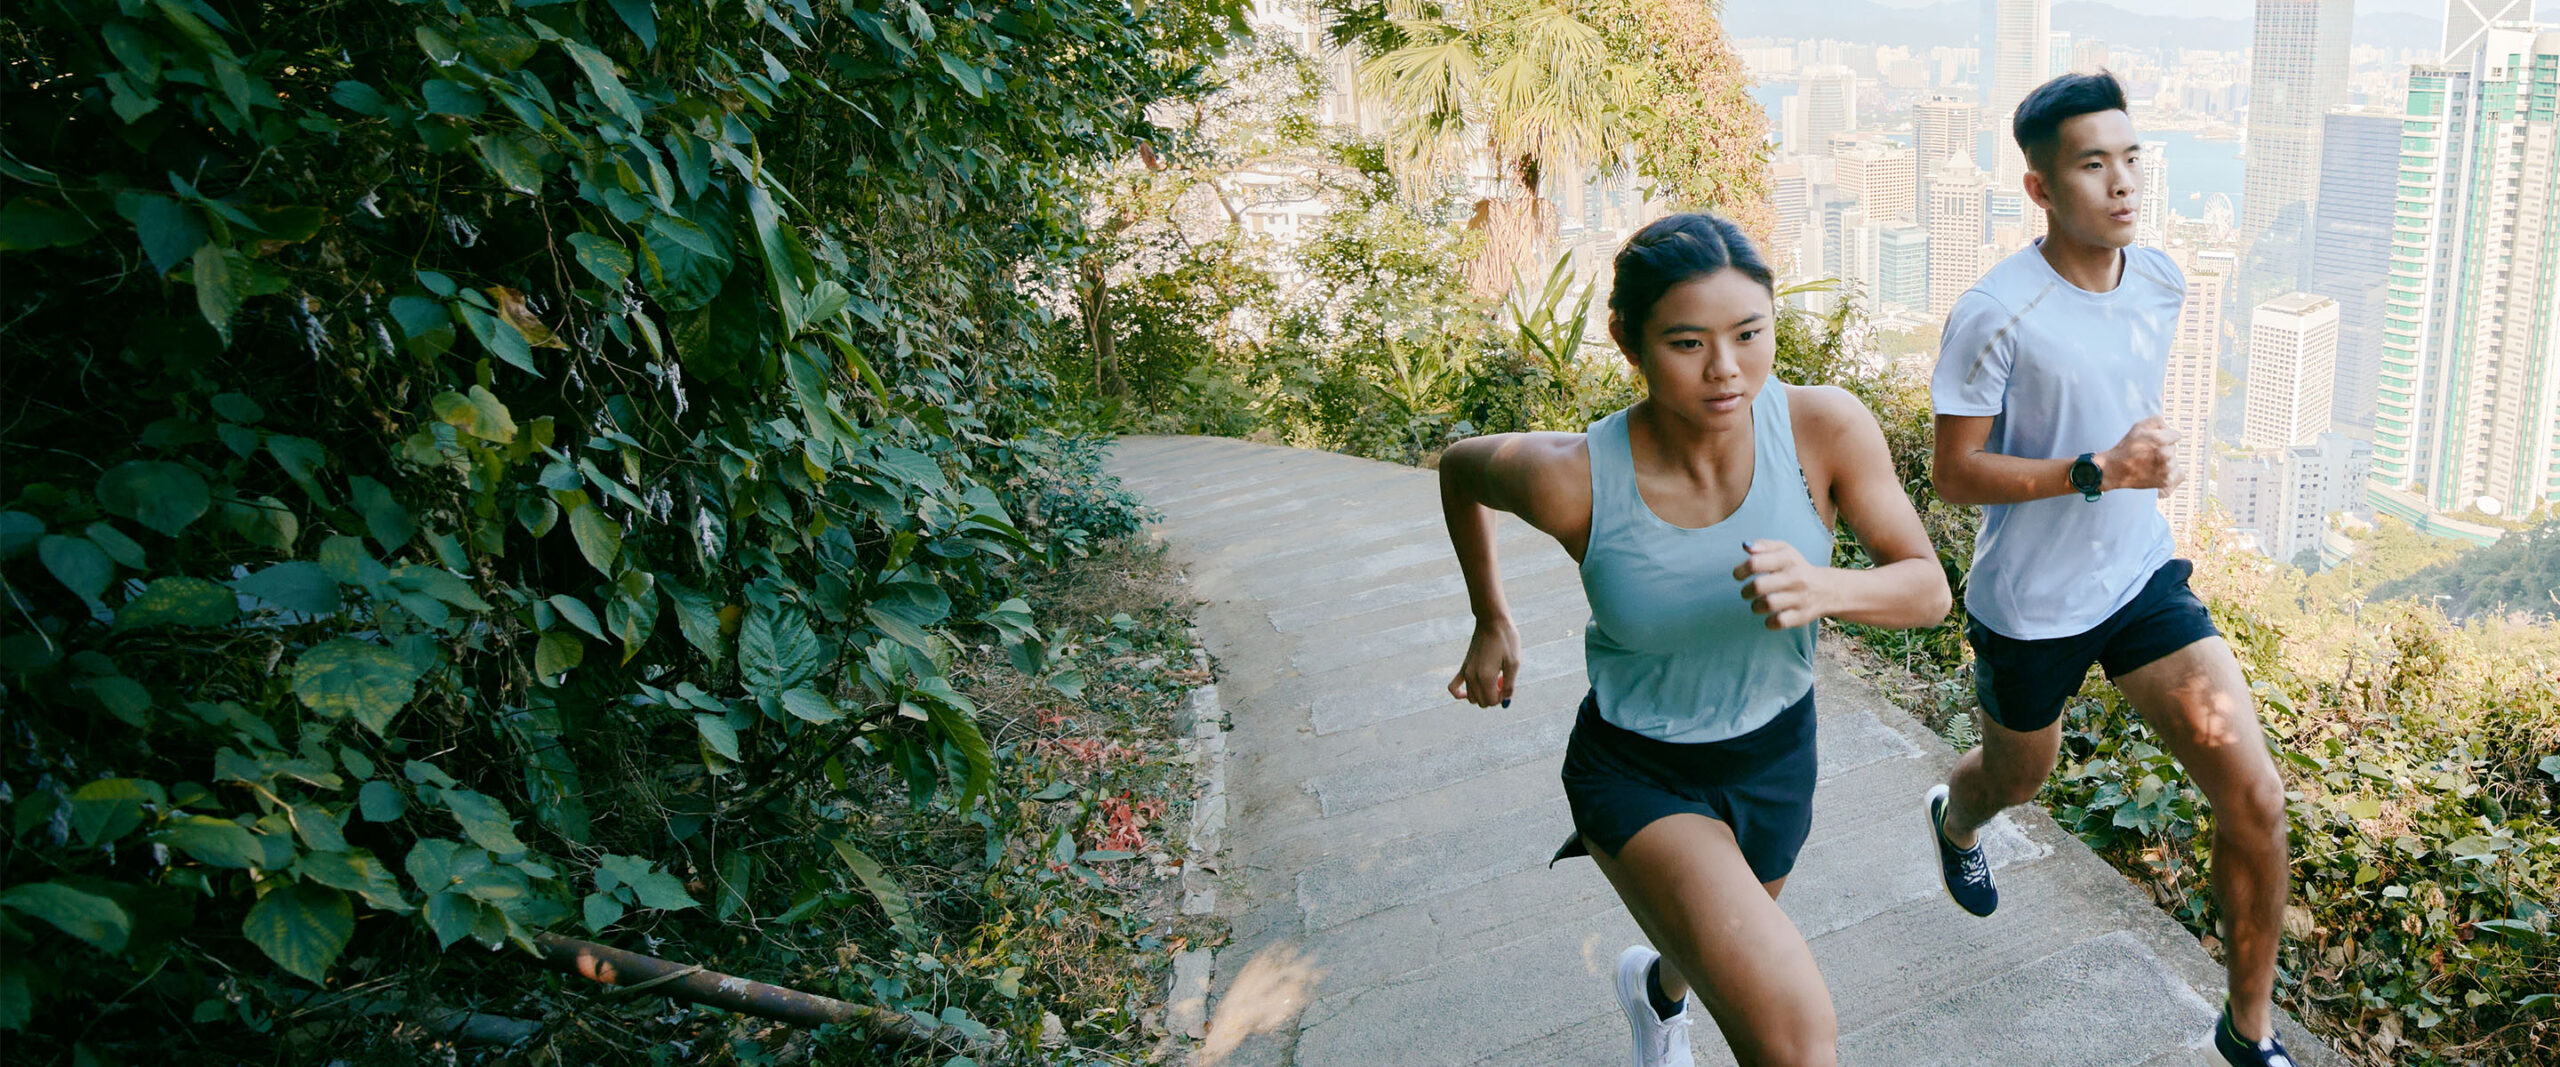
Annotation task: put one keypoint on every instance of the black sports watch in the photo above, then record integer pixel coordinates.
(2085, 475)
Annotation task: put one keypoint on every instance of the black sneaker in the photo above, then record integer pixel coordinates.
(1966, 872)
(2240, 1052)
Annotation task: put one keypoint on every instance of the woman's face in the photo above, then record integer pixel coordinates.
(1706, 349)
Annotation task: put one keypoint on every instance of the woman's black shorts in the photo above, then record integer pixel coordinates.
(1759, 784)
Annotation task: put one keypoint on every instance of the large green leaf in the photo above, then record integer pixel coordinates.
(171, 230)
(698, 616)
(295, 585)
(348, 678)
(510, 162)
(26, 224)
(603, 257)
(483, 820)
(109, 808)
(163, 496)
(599, 540)
(87, 916)
(776, 648)
(384, 517)
(810, 705)
(222, 285)
(356, 871)
(655, 888)
(19, 531)
(894, 903)
(217, 842)
(556, 652)
(77, 564)
(302, 927)
(179, 601)
(717, 733)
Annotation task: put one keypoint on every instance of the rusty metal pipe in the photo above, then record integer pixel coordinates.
(626, 969)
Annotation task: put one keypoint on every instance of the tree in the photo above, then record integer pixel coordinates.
(1529, 86)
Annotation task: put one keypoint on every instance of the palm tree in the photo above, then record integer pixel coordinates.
(1524, 86)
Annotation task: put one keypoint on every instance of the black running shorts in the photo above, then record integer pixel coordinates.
(1760, 785)
(2023, 684)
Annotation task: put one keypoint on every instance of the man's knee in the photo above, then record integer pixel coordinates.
(2253, 803)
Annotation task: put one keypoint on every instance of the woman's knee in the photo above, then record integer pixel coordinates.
(1812, 1043)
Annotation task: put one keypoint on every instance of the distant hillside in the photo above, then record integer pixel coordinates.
(2519, 573)
(1952, 24)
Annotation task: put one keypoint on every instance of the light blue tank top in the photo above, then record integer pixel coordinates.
(1673, 650)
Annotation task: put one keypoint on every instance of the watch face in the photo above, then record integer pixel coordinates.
(2084, 475)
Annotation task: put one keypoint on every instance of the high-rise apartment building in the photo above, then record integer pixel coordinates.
(1955, 231)
(2293, 364)
(2187, 393)
(2351, 226)
(2298, 71)
(2467, 22)
(1829, 96)
(2151, 213)
(2468, 413)
(1787, 195)
(1902, 267)
(2281, 498)
(2017, 41)
(1880, 174)
(1941, 126)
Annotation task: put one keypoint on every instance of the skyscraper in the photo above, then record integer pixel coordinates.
(1955, 231)
(2293, 362)
(2352, 219)
(1902, 263)
(2151, 218)
(1941, 126)
(1787, 196)
(1830, 96)
(2016, 57)
(2466, 22)
(2187, 394)
(1880, 174)
(2469, 408)
(2298, 71)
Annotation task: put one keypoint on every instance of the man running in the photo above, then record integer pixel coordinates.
(2047, 394)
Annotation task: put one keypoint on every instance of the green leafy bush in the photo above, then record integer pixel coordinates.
(470, 462)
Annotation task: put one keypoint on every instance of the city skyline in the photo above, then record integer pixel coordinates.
(2275, 175)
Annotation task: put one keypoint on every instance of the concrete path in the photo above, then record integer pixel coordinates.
(1387, 879)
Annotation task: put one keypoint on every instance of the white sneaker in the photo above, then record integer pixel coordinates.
(1659, 1042)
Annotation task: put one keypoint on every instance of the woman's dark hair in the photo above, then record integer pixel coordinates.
(1675, 249)
(2038, 125)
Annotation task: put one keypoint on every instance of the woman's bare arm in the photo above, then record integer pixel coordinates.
(1906, 588)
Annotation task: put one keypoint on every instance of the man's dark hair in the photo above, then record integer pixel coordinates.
(2038, 125)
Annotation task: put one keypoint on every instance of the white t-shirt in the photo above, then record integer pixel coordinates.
(2062, 371)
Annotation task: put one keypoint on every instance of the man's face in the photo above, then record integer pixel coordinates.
(2093, 180)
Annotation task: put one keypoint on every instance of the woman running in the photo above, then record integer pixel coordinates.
(1701, 517)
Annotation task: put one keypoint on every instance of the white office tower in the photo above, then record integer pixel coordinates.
(2297, 72)
(2467, 23)
(1829, 96)
(2293, 368)
(2467, 416)
(1941, 126)
(2151, 220)
(1880, 174)
(2187, 394)
(2016, 57)
(1955, 231)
